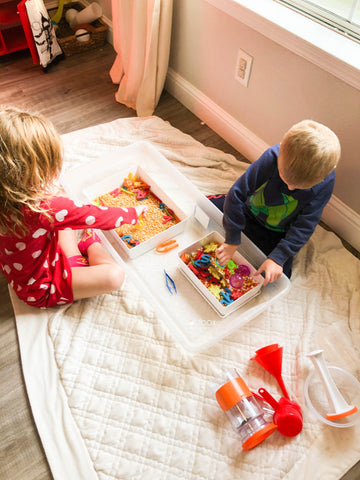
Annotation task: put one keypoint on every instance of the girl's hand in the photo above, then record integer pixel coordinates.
(272, 270)
(225, 252)
(141, 210)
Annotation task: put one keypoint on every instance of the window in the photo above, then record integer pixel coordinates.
(341, 15)
(324, 47)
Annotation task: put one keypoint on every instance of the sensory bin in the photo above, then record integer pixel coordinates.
(132, 192)
(225, 287)
(163, 220)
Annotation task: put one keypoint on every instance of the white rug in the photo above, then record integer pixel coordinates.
(115, 398)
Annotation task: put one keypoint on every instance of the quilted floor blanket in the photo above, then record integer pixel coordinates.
(115, 398)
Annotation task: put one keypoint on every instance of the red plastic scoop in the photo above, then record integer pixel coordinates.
(270, 358)
(287, 416)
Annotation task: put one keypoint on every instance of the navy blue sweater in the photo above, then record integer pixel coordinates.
(260, 192)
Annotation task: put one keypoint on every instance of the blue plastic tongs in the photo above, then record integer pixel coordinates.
(170, 284)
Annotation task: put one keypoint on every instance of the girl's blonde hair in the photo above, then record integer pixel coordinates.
(31, 158)
(310, 152)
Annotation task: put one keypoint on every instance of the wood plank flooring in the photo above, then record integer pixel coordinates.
(78, 93)
(75, 93)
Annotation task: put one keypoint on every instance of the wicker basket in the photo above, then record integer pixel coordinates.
(66, 37)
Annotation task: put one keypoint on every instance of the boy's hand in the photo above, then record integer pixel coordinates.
(141, 209)
(272, 270)
(225, 252)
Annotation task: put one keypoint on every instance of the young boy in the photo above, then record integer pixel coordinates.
(278, 201)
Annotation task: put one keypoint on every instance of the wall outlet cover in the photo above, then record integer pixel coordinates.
(243, 67)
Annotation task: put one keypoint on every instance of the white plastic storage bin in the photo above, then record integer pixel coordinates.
(115, 181)
(222, 310)
(190, 319)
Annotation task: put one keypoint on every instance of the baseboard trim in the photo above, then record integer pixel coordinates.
(338, 216)
(235, 133)
(343, 220)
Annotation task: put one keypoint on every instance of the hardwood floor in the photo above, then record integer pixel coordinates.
(78, 92)
(75, 93)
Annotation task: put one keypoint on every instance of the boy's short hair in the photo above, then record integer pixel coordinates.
(310, 152)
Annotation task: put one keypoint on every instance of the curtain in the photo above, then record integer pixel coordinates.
(142, 31)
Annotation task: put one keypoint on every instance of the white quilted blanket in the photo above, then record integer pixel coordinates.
(115, 398)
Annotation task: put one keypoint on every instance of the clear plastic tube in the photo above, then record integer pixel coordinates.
(243, 411)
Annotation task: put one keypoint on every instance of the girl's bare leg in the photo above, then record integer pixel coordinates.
(69, 243)
(103, 275)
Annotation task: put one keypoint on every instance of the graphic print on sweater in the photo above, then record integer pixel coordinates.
(272, 214)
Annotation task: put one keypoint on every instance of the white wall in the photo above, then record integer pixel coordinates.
(283, 88)
(106, 6)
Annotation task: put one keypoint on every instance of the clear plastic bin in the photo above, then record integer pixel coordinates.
(190, 319)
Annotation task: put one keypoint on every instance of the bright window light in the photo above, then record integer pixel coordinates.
(340, 15)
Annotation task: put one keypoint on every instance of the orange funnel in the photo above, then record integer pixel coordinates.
(270, 358)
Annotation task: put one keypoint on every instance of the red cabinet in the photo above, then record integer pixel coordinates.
(12, 36)
(15, 30)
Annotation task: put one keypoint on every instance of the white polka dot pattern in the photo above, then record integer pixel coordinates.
(119, 222)
(60, 216)
(90, 220)
(39, 232)
(36, 265)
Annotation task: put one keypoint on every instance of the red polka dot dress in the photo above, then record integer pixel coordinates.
(35, 265)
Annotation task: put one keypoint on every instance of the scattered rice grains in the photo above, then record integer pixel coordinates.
(134, 192)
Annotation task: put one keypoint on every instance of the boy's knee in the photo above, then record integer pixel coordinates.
(115, 277)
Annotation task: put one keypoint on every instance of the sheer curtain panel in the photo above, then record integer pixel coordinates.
(142, 32)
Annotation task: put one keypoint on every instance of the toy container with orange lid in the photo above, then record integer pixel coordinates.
(243, 411)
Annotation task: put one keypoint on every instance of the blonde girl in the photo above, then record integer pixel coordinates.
(39, 252)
